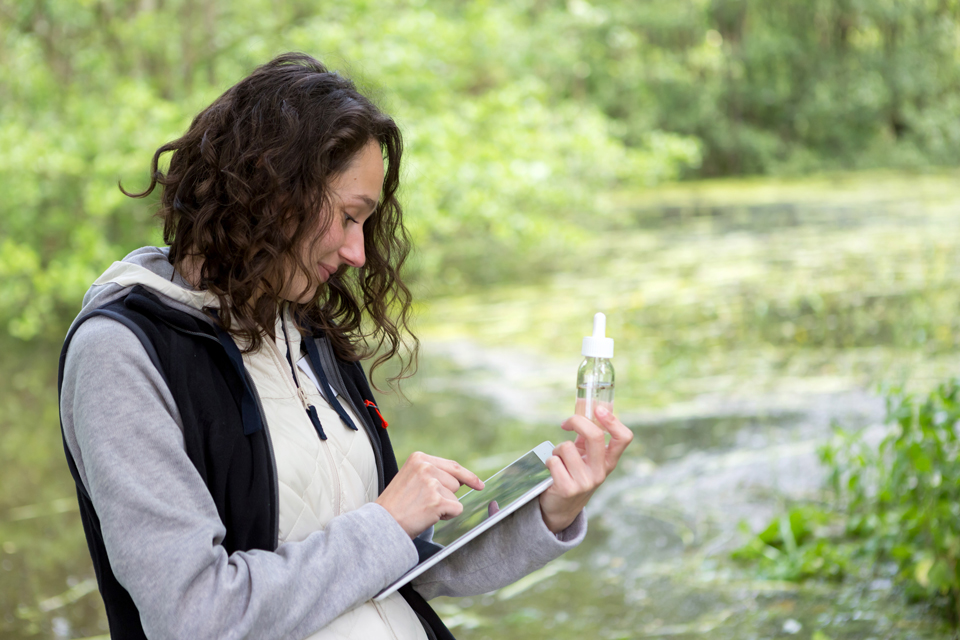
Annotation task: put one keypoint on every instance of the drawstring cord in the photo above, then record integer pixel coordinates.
(309, 408)
(326, 389)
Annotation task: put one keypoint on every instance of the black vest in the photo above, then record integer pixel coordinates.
(225, 437)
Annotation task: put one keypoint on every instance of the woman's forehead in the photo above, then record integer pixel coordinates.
(362, 181)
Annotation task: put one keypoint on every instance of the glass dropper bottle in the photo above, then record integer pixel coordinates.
(595, 378)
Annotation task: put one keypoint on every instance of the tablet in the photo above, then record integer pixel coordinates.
(505, 492)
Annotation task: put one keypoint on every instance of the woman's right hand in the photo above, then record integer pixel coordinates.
(422, 493)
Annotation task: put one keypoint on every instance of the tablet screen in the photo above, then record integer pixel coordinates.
(499, 492)
(504, 493)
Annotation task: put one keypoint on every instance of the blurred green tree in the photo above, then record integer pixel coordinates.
(780, 86)
(518, 116)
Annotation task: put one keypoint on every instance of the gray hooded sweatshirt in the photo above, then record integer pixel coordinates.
(161, 528)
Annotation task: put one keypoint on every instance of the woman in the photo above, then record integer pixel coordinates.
(234, 474)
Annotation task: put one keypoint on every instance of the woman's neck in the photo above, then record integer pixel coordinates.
(190, 269)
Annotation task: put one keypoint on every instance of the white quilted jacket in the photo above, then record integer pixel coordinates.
(320, 479)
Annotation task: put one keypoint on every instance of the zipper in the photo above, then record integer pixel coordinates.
(311, 410)
(335, 476)
(382, 612)
(312, 415)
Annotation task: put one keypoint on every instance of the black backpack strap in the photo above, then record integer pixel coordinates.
(249, 411)
(425, 612)
(317, 364)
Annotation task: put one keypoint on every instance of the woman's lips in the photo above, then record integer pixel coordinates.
(326, 272)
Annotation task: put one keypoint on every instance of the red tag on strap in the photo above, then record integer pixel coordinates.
(370, 403)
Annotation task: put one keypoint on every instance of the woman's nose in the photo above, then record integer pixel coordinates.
(351, 251)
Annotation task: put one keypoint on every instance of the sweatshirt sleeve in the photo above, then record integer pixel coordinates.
(161, 528)
(519, 545)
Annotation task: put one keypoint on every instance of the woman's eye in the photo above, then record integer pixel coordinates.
(350, 218)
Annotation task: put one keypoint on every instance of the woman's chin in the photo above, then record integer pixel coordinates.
(300, 294)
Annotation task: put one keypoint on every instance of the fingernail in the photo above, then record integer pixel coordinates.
(602, 411)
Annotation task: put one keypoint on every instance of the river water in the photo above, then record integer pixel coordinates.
(750, 317)
(657, 559)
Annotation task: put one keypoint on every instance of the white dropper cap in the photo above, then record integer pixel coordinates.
(598, 345)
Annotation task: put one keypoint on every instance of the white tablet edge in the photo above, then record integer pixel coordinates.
(543, 450)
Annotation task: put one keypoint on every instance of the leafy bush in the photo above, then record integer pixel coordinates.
(897, 502)
(903, 497)
(780, 87)
(502, 169)
(797, 545)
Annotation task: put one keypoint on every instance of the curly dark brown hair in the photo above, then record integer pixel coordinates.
(245, 188)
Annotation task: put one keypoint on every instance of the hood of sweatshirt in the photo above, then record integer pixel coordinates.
(167, 297)
(148, 267)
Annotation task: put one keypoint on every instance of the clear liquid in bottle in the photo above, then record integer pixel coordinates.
(595, 376)
(595, 387)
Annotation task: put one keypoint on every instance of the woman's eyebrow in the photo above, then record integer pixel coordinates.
(366, 200)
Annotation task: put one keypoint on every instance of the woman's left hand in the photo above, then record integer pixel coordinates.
(579, 467)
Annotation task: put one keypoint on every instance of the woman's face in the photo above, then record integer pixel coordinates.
(353, 198)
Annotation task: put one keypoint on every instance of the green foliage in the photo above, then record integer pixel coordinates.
(786, 86)
(903, 497)
(494, 151)
(797, 545)
(517, 115)
(898, 502)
